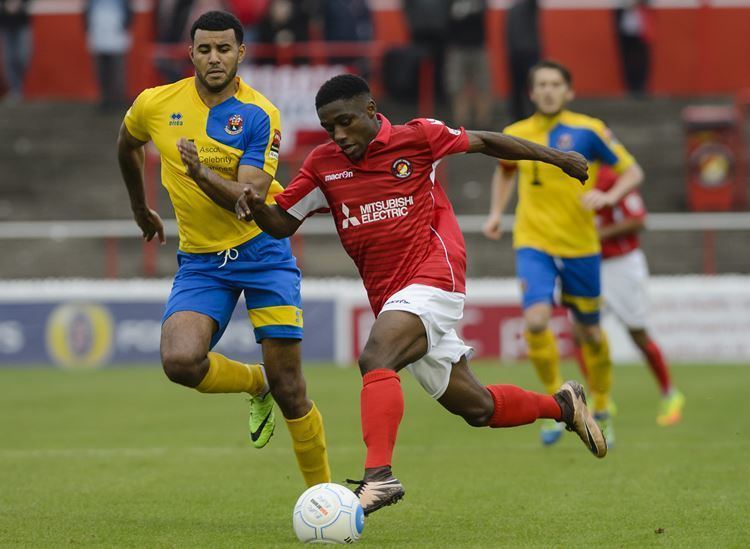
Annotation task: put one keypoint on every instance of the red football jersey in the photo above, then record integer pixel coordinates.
(393, 218)
(629, 207)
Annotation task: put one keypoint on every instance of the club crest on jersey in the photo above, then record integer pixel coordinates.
(564, 142)
(234, 124)
(401, 168)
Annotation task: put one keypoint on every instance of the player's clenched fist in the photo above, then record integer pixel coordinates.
(574, 164)
(248, 201)
(493, 227)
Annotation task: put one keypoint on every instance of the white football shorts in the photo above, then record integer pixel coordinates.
(624, 280)
(439, 311)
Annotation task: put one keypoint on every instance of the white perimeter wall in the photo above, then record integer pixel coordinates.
(695, 318)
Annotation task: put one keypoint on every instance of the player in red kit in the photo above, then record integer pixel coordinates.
(624, 278)
(397, 224)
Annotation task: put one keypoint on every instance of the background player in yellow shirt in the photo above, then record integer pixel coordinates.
(216, 135)
(555, 234)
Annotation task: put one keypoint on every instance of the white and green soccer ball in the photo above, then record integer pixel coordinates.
(328, 513)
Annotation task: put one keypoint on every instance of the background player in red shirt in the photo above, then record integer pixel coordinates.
(624, 278)
(397, 224)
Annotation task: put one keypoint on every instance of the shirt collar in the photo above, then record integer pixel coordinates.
(384, 133)
(546, 122)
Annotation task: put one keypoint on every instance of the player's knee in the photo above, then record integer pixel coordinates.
(183, 368)
(536, 321)
(477, 410)
(478, 417)
(371, 360)
(592, 335)
(480, 413)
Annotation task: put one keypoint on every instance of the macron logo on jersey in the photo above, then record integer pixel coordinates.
(346, 174)
(377, 211)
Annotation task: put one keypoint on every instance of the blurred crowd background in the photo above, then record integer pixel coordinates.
(668, 76)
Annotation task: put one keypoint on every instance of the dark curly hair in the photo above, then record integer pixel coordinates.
(342, 86)
(218, 21)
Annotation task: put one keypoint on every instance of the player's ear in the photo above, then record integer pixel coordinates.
(570, 95)
(190, 53)
(241, 56)
(372, 108)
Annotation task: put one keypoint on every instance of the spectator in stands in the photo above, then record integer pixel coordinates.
(467, 69)
(171, 28)
(524, 51)
(635, 33)
(287, 22)
(15, 41)
(347, 21)
(250, 13)
(108, 26)
(429, 22)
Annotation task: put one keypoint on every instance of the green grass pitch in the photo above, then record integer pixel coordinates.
(121, 457)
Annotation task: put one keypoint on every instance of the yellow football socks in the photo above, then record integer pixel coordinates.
(309, 442)
(599, 365)
(543, 355)
(229, 376)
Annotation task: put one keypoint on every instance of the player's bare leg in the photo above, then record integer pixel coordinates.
(672, 400)
(187, 360)
(185, 343)
(282, 358)
(510, 406)
(397, 339)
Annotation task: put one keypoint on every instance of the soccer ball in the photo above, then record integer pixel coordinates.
(328, 513)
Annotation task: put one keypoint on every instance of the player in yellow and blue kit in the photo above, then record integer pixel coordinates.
(216, 135)
(555, 235)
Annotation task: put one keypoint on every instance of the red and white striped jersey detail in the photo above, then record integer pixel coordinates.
(394, 220)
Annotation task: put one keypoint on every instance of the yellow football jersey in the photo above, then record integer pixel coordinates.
(550, 216)
(244, 129)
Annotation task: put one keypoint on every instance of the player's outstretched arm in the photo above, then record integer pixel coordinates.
(270, 218)
(507, 147)
(131, 157)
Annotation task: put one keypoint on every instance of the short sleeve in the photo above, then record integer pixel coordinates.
(610, 151)
(632, 206)
(443, 141)
(136, 119)
(263, 142)
(303, 198)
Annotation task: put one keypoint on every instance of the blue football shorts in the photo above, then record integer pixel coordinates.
(580, 282)
(262, 268)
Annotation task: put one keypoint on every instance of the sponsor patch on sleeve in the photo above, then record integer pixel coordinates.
(275, 145)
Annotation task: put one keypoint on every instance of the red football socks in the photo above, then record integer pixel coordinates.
(382, 407)
(515, 406)
(658, 366)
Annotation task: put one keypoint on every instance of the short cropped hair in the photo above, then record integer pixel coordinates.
(549, 64)
(218, 21)
(342, 86)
